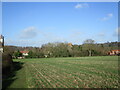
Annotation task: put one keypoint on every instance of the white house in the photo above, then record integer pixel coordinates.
(24, 53)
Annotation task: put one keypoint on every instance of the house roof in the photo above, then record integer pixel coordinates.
(24, 51)
(115, 50)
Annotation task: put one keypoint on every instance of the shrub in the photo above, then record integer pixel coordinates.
(7, 63)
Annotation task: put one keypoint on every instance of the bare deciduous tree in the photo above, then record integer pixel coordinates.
(89, 45)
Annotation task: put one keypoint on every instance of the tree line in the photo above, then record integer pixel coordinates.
(57, 49)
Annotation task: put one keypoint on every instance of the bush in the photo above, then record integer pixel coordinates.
(7, 63)
(17, 54)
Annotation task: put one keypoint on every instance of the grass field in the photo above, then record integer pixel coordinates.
(78, 72)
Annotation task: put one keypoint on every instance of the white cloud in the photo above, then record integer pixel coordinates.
(101, 34)
(78, 6)
(75, 34)
(110, 15)
(23, 42)
(117, 32)
(81, 5)
(107, 17)
(28, 33)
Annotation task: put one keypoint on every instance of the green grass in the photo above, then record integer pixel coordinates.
(78, 72)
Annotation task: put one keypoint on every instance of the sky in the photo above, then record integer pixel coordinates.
(37, 23)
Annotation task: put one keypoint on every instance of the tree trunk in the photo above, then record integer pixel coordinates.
(90, 53)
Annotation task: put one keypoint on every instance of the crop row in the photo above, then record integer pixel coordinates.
(46, 74)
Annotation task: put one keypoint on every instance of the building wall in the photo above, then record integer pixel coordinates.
(1, 43)
(25, 54)
(114, 52)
